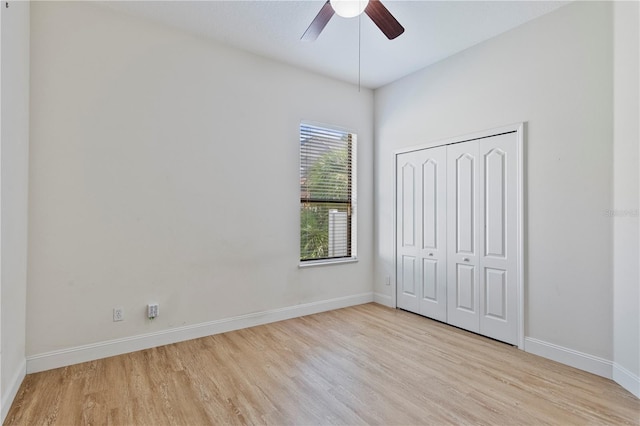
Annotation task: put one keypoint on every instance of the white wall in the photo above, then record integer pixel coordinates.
(555, 74)
(164, 168)
(626, 253)
(14, 155)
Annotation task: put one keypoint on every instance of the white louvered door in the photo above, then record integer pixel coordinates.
(457, 234)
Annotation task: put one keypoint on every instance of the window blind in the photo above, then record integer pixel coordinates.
(327, 193)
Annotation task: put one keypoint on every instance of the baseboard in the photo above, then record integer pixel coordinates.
(12, 390)
(383, 299)
(75, 355)
(626, 379)
(573, 358)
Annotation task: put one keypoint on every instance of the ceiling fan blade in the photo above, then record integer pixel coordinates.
(381, 16)
(318, 23)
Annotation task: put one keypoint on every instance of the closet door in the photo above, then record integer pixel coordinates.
(458, 240)
(407, 215)
(433, 233)
(482, 231)
(462, 236)
(421, 232)
(497, 208)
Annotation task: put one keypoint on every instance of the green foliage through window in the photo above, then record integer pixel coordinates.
(326, 193)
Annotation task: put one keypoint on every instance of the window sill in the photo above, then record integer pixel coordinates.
(325, 262)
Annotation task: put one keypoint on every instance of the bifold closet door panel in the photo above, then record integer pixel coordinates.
(421, 232)
(497, 207)
(433, 247)
(462, 236)
(407, 232)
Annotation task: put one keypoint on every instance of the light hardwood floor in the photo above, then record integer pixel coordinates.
(361, 365)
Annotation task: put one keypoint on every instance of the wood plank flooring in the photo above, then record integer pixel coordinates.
(361, 365)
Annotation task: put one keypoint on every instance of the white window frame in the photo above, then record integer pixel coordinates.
(354, 197)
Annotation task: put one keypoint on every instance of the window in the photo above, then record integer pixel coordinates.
(327, 194)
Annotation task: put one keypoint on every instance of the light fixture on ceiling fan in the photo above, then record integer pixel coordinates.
(378, 13)
(349, 8)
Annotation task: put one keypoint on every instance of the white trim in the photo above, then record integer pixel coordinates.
(520, 229)
(383, 299)
(325, 262)
(515, 127)
(394, 285)
(626, 379)
(354, 194)
(570, 357)
(336, 127)
(12, 390)
(84, 353)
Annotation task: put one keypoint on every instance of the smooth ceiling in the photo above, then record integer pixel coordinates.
(434, 31)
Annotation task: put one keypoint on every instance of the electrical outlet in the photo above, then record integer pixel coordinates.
(387, 280)
(153, 309)
(118, 314)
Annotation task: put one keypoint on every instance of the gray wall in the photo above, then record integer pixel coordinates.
(626, 253)
(164, 168)
(555, 74)
(14, 155)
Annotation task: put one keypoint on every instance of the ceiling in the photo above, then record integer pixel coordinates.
(434, 30)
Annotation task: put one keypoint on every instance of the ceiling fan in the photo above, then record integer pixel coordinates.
(378, 13)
